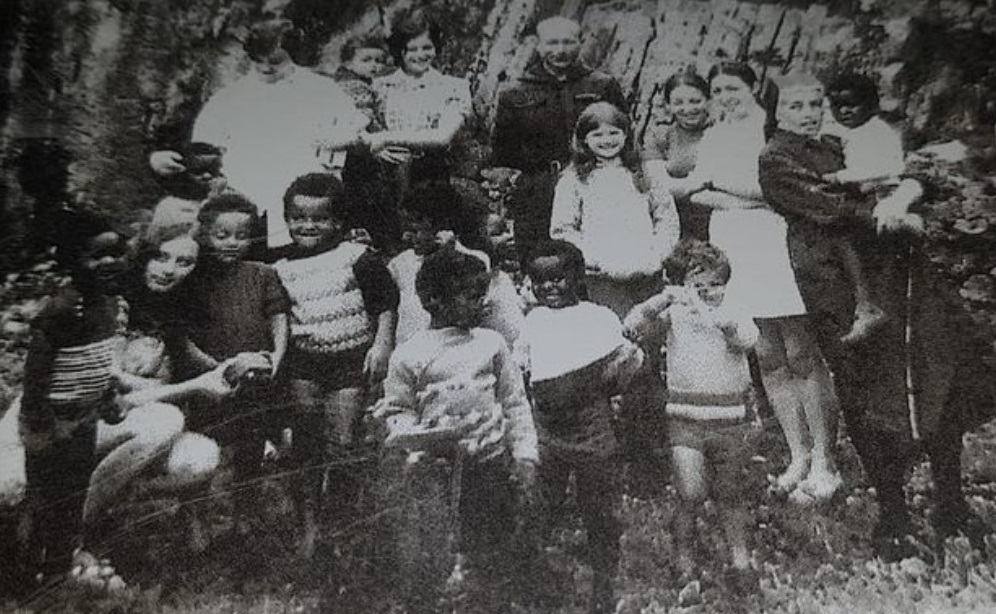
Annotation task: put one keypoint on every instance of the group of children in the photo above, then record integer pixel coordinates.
(522, 396)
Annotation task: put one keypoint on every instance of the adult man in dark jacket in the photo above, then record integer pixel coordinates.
(535, 121)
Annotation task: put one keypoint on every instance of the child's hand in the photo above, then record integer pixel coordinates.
(831, 178)
(375, 363)
(213, 383)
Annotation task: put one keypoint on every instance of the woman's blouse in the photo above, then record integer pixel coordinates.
(676, 145)
(422, 103)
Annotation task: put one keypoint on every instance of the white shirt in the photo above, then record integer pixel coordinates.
(558, 341)
(873, 150)
(270, 133)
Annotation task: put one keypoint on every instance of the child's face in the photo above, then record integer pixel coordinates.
(420, 234)
(606, 141)
(312, 223)
(709, 285)
(367, 62)
(274, 67)
(800, 110)
(229, 236)
(689, 106)
(103, 260)
(554, 285)
(173, 262)
(849, 109)
(464, 307)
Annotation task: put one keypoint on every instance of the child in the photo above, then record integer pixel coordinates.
(503, 307)
(455, 387)
(709, 416)
(577, 358)
(241, 312)
(68, 385)
(623, 219)
(363, 58)
(344, 305)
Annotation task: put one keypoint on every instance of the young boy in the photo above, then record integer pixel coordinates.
(710, 421)
(577, 358)
(344, 304)
(455, 390)
(240, 311)
(363, 58)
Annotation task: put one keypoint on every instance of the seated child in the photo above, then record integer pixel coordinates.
(708, 409)
(577, 359)
(503, 311)
(240, 311)
(342, 332)
(68, 386)
(454, 390)
(873, 162)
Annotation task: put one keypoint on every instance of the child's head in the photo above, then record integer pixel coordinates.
(365, 54)
(700, 266)
(686, 95)
(316, 210)
(602, 132)
(556, 270)
(853, 99)
(452, 285)
(265, 47)
(226, 226)
(91, 249)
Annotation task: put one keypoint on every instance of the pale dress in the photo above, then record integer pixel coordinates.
(754, 239)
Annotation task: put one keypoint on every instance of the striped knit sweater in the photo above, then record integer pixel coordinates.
(329, 315)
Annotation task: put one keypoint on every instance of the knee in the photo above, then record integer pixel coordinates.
(158, 422)
(194, 457)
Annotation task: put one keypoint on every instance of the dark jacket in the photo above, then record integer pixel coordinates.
(536, 115)
(870, 375)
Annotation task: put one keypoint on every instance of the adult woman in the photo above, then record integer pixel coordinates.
(762, 283)
(686, 98)
(423, 111)
(150, 441)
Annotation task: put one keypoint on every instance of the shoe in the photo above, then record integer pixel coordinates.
(790, 478)
(868, 318)
(818, 487)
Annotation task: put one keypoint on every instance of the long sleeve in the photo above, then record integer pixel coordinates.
(565, 221)
(798, 192)
(511, 393)
(504, 139)
(398, 403)
(663, 212)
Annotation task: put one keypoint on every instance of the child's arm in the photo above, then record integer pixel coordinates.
(280, 330)
(376, 361)
(740, 333)
(565, 220)
(511, 393)
(36, 414)
(201, 360)
(623, 365)
(640, 316)
(211, 384)
(381, 299)
(715, 199)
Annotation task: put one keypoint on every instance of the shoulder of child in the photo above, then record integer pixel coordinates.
(65, 303)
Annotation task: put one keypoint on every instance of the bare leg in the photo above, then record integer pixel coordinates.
(868, 316)
(690, 479)
(820, 406)
(734, 521)
(784, 398)
(141, 438)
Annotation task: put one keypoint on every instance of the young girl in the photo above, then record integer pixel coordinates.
(617, 213)
(572, 377)
(709, 417)
(344, 306)
(68, 385)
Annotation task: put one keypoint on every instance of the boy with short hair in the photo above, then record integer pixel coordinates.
(241, 312)
(577, 359)
(342, 333)
(710, 418)
(454, 390)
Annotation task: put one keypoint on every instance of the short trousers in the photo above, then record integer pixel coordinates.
(728, 447)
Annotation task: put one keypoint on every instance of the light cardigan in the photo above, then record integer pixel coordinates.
(449, 371)
(619, 229)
